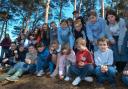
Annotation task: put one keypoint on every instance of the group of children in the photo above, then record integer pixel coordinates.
(74, 49)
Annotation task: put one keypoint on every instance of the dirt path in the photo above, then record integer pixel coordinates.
(33, 82)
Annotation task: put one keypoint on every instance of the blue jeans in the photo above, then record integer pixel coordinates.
(125, 80)
(81, 72)
(109, 75)
(23, 67)
(43, 64)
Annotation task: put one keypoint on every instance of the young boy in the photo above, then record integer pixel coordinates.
(42, 60)
(84, 63)
(104, 63)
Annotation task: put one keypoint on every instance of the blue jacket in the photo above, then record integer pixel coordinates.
(44, 54)
(65, 36)
(97, 30)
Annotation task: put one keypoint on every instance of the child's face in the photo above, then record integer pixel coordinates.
(45, 27)
(92, 19)
(64, 25)
(103, 46)
(53, 26)
(21, 49)
(111, 19)
(13, 46)
(76, 15)
(78, 27)
(65, 51)
(80, 47)
(40, 49)
(31, 49)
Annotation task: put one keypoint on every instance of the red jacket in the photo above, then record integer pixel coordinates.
(84, 56)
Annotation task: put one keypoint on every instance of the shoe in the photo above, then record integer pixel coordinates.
(12, 78)
(4, 76)
(76, 81)
(67, 78)
(88, 79)
(40, 73)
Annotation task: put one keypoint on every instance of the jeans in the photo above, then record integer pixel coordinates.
(22, 67)
(81, 72)
(43, 64)
(109, 75)
(125, 80)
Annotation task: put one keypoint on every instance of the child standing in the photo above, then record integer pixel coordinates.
(84, 63)
(65, 34)
(104, 63)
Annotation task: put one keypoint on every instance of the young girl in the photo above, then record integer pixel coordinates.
(96, 28)
(53, 31)
(117, 28)
(45, 34)
(78, 32)
(65, 59)
(104, 63)
(84, 63)
(65, 34)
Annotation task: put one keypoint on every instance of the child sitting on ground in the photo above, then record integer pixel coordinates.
(104, 63)
(84, 63)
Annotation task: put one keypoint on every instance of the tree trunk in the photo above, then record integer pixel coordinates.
(61, 6)
(102, 7)
(47, 11)
(80, 6)
(2, 30)
(74, 5)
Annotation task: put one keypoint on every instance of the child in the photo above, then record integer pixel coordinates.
(65, 34)
(65, 58)
(53, 31)
(104, 63)
(55, 48)
(96, 28)
(42, 60)
(125, 75)
(84, 63)
(117, 28)
(78, 32)
(10, 55)
(28, 66)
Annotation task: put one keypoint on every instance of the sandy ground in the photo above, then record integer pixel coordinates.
(33, 82)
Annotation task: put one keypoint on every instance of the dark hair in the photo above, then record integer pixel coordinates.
(53, 22)
(74, 12)
(112, 12)
(64, 20)
(92, 12)
(31, 45)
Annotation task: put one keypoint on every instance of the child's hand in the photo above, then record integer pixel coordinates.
(5, 60)
(104, 68)
(81, 64)
(125, 72)
(28, 61)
